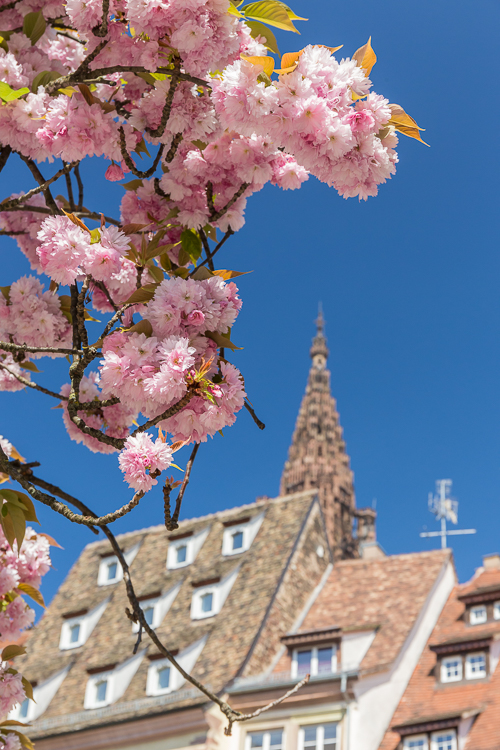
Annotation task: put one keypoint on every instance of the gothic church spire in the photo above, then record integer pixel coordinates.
(317, 457)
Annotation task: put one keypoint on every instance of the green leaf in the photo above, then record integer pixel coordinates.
(30, 366)
(270, 12)
(6, 292)
(34, 26)
(18, 522)
(141, 148)
(11, 651)
(132, 184)
(222, 341)
(156, 273)
(3, 43)
(191, 244)
(143, 326)
(154, 252)
(28, 689)
(32, 592)
(165, 262)
(258, 29)
(30, 512)
(8, 94)
(95, 236)
(43, 79)
(142, 295)
(7, 526)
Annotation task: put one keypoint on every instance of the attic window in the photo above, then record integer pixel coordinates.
(238, 537)
(163, 677)
(110, 569)
(183, 549)
(443, 740)
(478, 614)
(77, 628)
(209, 599)
(451, 669)
(106, 685)
(475, 666)
(314, 661)
(472, 666)
(156, 606)
(496, 611)
(43, 693)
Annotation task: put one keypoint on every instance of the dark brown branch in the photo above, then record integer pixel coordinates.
(216, 215)
(7, 205)
(80, 187)
(176, 141)
(167, 107)
(254, 416)
(116, 317)
(167, 413)
(5, 152)
(174, 521)
(80, 74)
(130, 162)
(10, 5)
(49, 199)
(69, 186)
(102, 286)
(216, 249)
(29, 384)
(102, 30)
(14, 348)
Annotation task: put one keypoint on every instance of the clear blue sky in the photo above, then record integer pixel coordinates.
(409, 285)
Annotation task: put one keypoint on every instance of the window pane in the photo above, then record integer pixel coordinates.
(149, 614)
(23, 711)
(181, 554)
(496, 610)
(238, 540)
(304, 663)
(276, 739)
(310, 737)
(100, 691)
(445, 741)
(325, 659)
(420, 743)
(476, 665)
(74, 633)
(257, 739)
(330, 736)
(207, 602)
(451, 669)
(112, 570)
(163, 678)
(478, 615)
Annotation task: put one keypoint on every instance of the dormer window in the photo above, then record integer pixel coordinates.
(209, 596)
(446, 739)
(78, 626)
(107, 684)
(155, 606)
(163, 677)
(239, 535)
(110, 570)
(475, 666)
(183, 548)
(314, 661)
(451, 669)
(478, 614)
(43, 693)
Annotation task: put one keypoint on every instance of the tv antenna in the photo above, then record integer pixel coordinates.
(445, 508)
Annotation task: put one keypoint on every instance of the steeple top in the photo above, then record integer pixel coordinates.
(319, 350)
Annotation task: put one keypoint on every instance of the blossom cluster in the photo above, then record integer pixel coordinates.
(29, 315)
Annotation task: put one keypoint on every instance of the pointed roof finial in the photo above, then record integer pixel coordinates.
(319, 350)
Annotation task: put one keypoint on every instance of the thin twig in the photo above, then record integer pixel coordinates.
(69, 186)
(102, 29)
(167, 107)
(80, 187)
(130, 162)
(254, 416)
(8, 347)
(167, 413)
(7, 205)
(29, 384)
(174, 521)
(216, 215)
(49, 199)
(210, 257)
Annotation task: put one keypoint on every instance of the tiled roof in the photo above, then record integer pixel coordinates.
(426, 699)
(386, 594)
(230, 634)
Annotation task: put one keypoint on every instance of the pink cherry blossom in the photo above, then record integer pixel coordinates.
(141, 458)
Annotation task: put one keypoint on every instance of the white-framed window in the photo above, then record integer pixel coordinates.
(475, 666)
(208, 600)
(444, 740)
(157, 607)
(451, 669)
(271, 739)
(75, 631)
(478, 615)
(496, 610)
(319, 737)
(110, 570)
(183, 551)
(30, 710)
(163, 677)
(239, 538)
(108, 686)
(417, 742)
(314, 660)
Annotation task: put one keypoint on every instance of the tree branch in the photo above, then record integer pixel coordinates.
(49, 199)
(174, 521)
(130, 162)
(167, 413)
(8, 347)
(29, 384)
(254, 416)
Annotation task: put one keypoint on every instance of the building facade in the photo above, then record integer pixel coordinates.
(250, 600)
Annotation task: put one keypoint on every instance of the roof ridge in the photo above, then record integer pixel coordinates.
(215, 514)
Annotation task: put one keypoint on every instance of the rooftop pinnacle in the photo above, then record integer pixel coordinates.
(317, 457)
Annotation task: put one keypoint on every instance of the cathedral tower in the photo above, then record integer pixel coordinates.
(317, 457)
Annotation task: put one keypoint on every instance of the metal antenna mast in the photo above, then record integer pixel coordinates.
(445, 508)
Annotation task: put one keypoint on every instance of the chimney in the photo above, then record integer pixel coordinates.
(491, 562)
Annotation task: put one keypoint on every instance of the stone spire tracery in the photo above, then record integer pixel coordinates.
(317, 457)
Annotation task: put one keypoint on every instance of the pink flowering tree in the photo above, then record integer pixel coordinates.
(198, 91)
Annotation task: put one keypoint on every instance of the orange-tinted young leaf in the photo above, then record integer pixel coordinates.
(77, 221)
(290, 58)
(400, 117)
(411, 133)
(365, 57)
(133, 228)
(15, 454)
(50, 540)
(178, 445)
(224, 274)
(266, 62)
